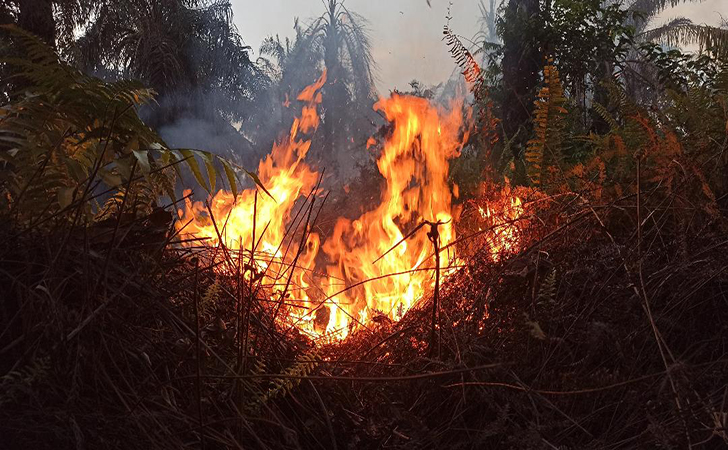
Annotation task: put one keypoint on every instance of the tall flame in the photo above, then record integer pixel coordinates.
(374, 265)
(286, 177)
(414, 163)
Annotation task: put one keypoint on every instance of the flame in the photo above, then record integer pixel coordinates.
(503, 239)
(500, 215)
(371, 142)
(414, 163)
(370, 267)
(285, 175)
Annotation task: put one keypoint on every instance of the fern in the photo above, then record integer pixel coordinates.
(284, 385)
(14, 382)
(277, 386)
(475, 77)
(67, 136)
(547, 291)
(211, 297)
(253, 388)
(549, 114)
(602, 111)
(470, 68)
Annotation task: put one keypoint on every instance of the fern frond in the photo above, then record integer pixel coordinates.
(279, 386)
(284, 385)
(606, 116)
(549, 116)
(470, 68)
(65, 130)
(14, 382)
(211, 297)
(547, 291)
(475, 77)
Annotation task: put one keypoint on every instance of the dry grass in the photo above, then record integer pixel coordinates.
(113, 339)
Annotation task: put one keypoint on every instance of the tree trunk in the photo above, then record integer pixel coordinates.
(36, 16)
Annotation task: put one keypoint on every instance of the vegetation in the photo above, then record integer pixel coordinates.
(601, 324)
(176, 48)
(337, 41)
(72, 140)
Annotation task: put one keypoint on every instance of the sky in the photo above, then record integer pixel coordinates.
(406, 34)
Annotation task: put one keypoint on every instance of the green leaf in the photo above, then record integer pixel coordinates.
(76, 170)
(132, 145)
(167, 185)
(210, 167)
(65, 197)
(122, 164)
(232, 179)
(143, 158)
(194, 167)
(535, 329)
(170, 158)
(110, 178)
(257, 181)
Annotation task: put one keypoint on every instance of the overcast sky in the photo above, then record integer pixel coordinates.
(406, 34)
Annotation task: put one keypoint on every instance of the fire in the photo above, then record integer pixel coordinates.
(500, 218)
(286, 177)
(370, 267)
(414, 163)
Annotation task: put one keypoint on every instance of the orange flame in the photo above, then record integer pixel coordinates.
(503, 237)
(414, 163)
(286, 176)
(371, 142)
(351, 289)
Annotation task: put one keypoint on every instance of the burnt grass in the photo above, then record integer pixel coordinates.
(583, 339)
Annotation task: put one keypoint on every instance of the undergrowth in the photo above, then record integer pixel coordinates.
(604, 327)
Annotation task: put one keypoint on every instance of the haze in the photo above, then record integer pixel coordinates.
(406, 34)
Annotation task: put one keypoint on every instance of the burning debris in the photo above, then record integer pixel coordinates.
(335, 284)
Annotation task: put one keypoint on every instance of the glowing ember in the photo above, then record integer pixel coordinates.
(328, 300)
(501, 222)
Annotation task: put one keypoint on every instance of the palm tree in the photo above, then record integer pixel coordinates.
(290, 68)
(54, 21)
(641, 77)
(187, 51)
(679, 31)
(337, 41)
(343, 37)
(173, 46)
(291, 62)
(488, 22)
(36, 16)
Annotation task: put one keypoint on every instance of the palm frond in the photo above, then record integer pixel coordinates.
(650, 8)
(683, 32)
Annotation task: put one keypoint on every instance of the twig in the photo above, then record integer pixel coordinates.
(422, 376)
(198, 353)
(550, 392)
(434, 237)
(332, 436)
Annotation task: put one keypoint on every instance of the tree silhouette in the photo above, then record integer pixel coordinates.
(189, 52)
(337, 41)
